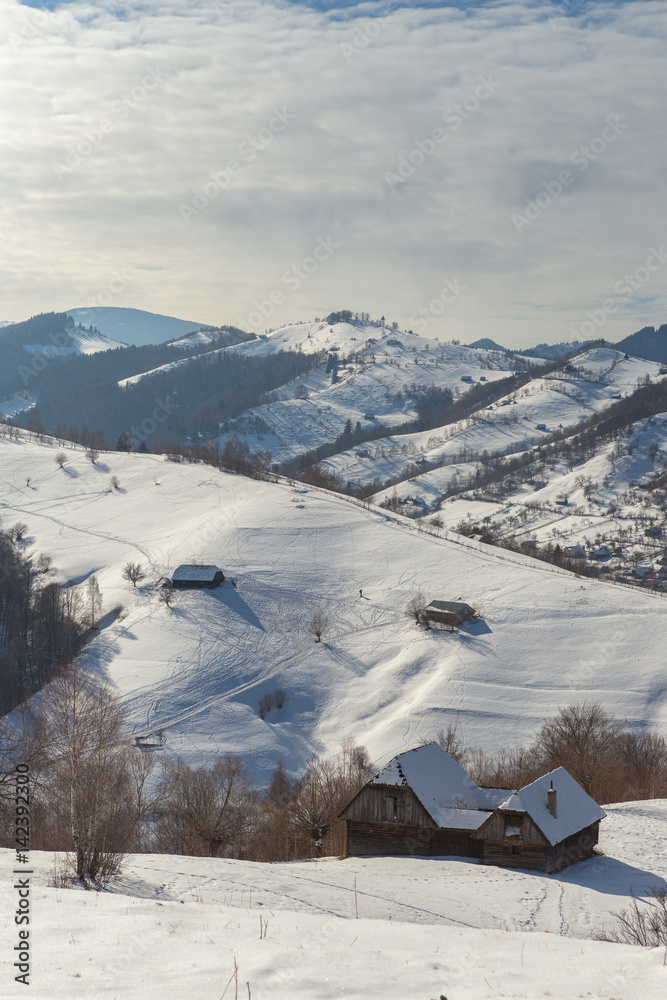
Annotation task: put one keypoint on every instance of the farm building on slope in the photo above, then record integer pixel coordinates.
(449, 612)
(191, 575)
(547, 825)
(424, 803)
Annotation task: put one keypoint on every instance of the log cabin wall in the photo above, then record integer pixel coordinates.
(379, 839)
(388, 804)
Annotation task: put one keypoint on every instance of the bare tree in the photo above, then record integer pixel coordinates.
(416, 608)
(18, 531)
(114, 484)
(134, 573)
(88, 778)
(61, 459)
(325, 788)
(207, 811)
(167, 595)
(451, 741)
(584, 740)
(92, 454)
(44, 563)
(318, 625)
(94, 600)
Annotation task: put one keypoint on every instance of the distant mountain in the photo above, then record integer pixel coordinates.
(486, 344)
(134, 326)
(556, 350)
(647, 343)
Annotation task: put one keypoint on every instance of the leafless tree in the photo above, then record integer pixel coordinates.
(451, 741)
(114, 484)
(207, 811)
(416, 608)
(134, 573)
(92, 454)
(88, 777)
(94, 600)
(584, 740)
(167, 595)
(318, 625)
(324, 790)
(61, 459)
(44, 563)
(18, 531)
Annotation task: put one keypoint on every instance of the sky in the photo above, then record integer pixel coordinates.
(473, 170)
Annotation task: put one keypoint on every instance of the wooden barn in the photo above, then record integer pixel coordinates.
(193, 575)
(450, 613)
(421, 803)
(547, 825)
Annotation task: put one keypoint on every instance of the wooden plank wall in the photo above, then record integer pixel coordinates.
(367, 806)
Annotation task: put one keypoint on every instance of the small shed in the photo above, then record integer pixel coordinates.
(422, 802)
(545, 826)
(450, 613)
(195, 575)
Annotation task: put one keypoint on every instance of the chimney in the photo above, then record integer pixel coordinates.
(552, 801)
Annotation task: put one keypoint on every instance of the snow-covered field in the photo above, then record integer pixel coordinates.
(198, 670)
(371, 387)
(393, 928)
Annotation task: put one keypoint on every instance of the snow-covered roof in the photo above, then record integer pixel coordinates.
(575, 809)
(452, 606)
(192, 571)
(445, 790)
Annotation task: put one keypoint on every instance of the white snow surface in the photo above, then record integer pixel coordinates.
(197, 670)
(443, 787)
(172, 927)
(575, 809)
(132, 326)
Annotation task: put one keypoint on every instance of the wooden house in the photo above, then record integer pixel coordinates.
(547, 825)
(421, 803)
(191, 575)
(450, 613)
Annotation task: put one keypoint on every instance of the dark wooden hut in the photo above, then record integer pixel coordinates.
(194, 575)
(547, 825)
(422, 802)
(450, 613)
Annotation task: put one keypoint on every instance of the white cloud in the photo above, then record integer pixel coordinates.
(116, 120)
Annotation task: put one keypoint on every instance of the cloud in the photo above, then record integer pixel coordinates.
(283, 124)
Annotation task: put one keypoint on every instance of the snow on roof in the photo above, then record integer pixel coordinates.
(445, 790)
(451, 606)
(575, 809)
(192, 571)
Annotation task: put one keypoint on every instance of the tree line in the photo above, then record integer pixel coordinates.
(41, 625)
(97, 797)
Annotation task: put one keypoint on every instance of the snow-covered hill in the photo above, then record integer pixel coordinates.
(80, 342)
(133, 326)
(376, 383)
(197, 670)
(590, 383)
(391, 928)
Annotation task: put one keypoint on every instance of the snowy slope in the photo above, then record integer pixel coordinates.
(425, 927)
(371, 390)
(81, 342)
(132, 326)
(598, 377)
(198, 670)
